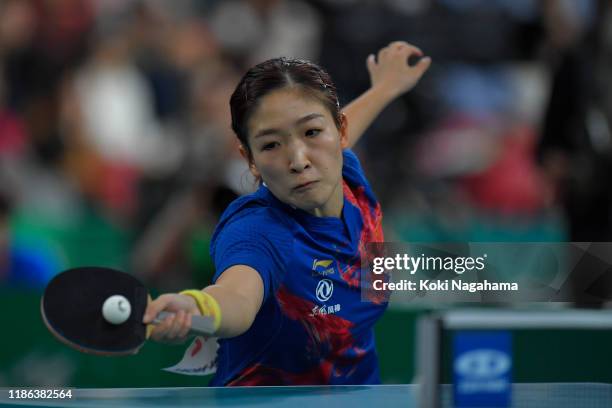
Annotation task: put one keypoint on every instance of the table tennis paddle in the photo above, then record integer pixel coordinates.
(71, 309)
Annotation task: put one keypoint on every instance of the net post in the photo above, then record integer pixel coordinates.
(428, 358)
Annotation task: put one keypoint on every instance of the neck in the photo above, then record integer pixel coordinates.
(333, 207)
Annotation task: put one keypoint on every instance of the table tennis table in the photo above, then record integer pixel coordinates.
(542, 395)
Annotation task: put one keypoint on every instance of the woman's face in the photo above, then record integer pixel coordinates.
(297, 151)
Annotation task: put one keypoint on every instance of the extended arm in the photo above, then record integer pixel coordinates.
(390, 77)
(238, 293)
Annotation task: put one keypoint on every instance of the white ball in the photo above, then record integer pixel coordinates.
(116, 309)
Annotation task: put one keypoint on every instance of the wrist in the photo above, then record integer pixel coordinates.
(206, 305)
(384, 93)
(193, 303)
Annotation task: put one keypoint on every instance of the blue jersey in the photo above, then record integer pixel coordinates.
(313, 327)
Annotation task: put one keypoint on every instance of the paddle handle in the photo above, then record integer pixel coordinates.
(200, 325)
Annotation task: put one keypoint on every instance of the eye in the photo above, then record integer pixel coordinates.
(269, 146)
(312, 132)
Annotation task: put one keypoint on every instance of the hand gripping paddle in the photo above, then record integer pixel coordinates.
(71, 308)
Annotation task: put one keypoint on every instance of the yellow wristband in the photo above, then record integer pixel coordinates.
(207, 304)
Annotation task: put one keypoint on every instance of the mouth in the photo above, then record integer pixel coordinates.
(304, 186)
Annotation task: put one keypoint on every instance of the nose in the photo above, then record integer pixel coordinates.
(298, 157)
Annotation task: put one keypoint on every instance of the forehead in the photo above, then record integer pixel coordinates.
(282, 107)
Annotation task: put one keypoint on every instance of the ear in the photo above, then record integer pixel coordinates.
(344, 140)
(245, 154)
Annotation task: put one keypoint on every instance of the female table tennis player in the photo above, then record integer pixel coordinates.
(286, 295)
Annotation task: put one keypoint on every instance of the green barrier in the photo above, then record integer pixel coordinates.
(395, 345)
(30, 356)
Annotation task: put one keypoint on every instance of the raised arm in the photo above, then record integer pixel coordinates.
(390, 77)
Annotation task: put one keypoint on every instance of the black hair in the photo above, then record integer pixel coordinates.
(275, 74)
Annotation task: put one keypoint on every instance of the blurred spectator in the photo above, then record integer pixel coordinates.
(4, 237)
(268, 28)
(576, 144)
(114, 120)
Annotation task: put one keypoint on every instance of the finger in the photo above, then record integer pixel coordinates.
(423, 65)
(153, 309)
(415, 50)
(181, 328)
(382, 54)
(185, 325)
(182, 324)
(161, 330)
(371, 63)
(176, 326)
(397, 44)
(410, 53)
(405, 47)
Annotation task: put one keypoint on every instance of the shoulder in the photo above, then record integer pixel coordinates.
(352, 171)
(253, 233)
(351, 162)
(354, 176)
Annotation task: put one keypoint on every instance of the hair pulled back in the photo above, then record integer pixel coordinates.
(275, 74)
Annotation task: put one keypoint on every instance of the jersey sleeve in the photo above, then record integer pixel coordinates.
(256, 239)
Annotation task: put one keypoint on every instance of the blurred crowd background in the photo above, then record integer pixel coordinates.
(116, 148)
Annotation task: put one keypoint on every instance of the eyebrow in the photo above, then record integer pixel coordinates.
(309, 117)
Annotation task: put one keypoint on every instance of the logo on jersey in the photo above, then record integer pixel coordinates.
(322, 267)
(324, 291)
(319, 310)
